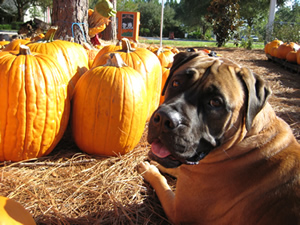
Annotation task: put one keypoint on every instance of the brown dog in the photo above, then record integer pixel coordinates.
(239, 163)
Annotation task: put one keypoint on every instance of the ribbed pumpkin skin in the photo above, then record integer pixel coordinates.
(34, 106)
(165, 75)
(147, 64)
(15, 44)
(71, 56)
(109, 114)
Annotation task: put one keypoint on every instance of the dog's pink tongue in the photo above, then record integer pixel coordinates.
(159, 149)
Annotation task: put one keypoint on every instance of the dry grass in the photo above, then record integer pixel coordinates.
(70, 187)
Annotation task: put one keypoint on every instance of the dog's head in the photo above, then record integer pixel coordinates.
(208, 100)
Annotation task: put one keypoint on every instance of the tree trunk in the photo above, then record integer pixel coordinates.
(71, 17)
(110, 32)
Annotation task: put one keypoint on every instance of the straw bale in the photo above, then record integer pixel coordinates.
(71, 187)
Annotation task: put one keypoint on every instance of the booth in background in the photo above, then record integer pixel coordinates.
(128, 25)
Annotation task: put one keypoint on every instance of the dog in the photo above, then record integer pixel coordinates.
(236, 161)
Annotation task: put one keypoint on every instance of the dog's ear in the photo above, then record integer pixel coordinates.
(258, 93)
(180, 59)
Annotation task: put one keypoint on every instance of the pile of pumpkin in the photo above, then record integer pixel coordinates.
(107, 96)
(289, 51)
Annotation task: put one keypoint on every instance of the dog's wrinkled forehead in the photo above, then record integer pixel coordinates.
(200, 61)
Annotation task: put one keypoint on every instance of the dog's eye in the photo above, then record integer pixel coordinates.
(216, 102)
(175, 83)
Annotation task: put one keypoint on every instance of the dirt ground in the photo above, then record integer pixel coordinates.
(71, 187)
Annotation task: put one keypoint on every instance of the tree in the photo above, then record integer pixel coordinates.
(224, 15)
(22, 6)
(71, 17)
(110, 33)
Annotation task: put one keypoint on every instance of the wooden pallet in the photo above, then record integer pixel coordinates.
(287, 65)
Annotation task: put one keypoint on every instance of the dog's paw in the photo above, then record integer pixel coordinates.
(147, 170)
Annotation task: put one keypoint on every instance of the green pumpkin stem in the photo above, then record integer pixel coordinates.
(126, 46)
(24, 50)
(115, 60)
(49, 36)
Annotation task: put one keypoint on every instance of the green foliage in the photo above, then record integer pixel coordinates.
(5, 26)
(224, 15)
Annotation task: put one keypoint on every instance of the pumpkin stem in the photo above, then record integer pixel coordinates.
(115, 60)
(126, 46)
(24, 50)
(49, 36)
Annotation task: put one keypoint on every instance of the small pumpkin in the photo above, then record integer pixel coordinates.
(274, 51)
(109, 114)
(272, 44)
(71, 56)
(15, 44)
(34, 106)
(165, 56)
(298, 57)
(292, 57)
(285, 48)
(13, 213)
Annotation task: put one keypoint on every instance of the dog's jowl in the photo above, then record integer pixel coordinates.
(237, 162)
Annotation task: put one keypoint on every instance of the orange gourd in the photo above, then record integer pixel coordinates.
(34, 106)
(108, 49)
(274, 51)
(147, 64)
(71, 56)
(109, 114)
(13, 213)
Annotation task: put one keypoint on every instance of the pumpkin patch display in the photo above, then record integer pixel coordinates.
(270, 45)
(34, 106)
(146, 63)
(285, 48)
(109, 114)
(13, 213)
(71, 56)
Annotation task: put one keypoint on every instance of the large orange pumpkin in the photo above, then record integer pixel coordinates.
(71, 56)
(147, 64)
(109, 114)
(13, 213)
(34, 106)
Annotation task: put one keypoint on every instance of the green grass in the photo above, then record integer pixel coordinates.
(197, 44)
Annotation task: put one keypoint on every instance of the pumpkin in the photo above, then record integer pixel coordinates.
(108, 49)
(274, 52)
(147, 64)
(3, 44)
(272, 44)
(109, 114)
(285, 48)
(13, 213)
(165, 74)
(71, 56)
(15, 44)
(165, 56)
(34, 106)
(91, 52)
(292, 57)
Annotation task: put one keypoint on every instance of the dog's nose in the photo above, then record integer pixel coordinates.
(166, 120)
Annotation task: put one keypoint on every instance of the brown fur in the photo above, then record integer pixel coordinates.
(252, 178)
